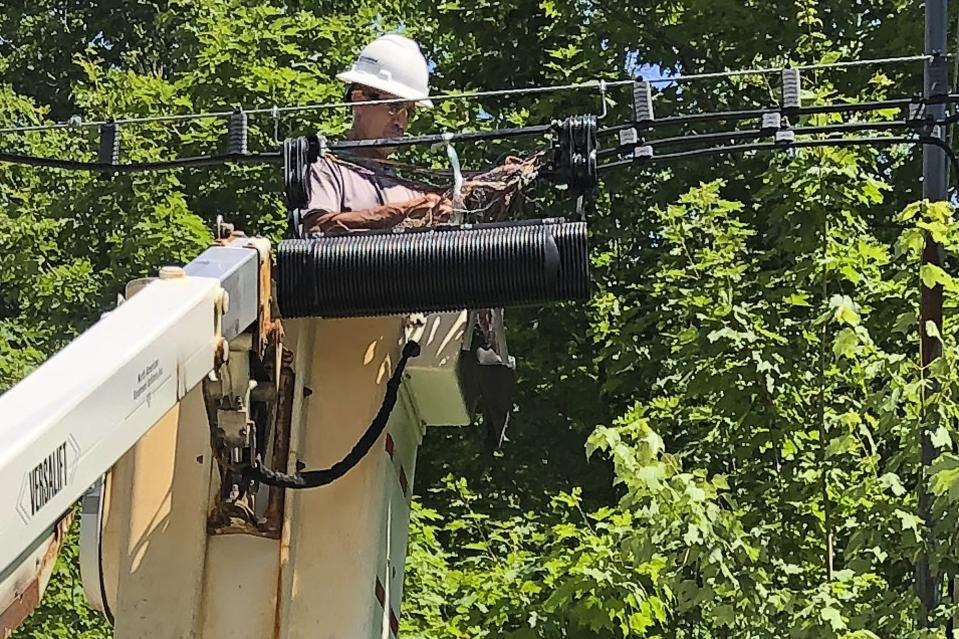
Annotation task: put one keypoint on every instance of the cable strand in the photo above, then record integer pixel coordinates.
(273, 110)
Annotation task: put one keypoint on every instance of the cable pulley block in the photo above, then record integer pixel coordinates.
(298, 154)
(433, 270)
(574, 152)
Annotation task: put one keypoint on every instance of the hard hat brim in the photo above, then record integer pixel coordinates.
(394, 88)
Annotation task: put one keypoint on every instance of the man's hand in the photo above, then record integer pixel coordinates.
(433, 208)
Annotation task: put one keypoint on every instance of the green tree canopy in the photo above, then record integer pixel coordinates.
(737, 407)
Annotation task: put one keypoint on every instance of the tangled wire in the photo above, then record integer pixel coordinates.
(493, 195)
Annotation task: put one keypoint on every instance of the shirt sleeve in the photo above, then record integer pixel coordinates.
(326, 188)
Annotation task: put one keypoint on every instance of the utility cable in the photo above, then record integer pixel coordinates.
(314, 478)
(818, 109)
(349, 146)
(275, 111)
(138, 167)
(785, 146)
(739, 134)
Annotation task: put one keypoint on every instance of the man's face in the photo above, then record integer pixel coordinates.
(380, 120)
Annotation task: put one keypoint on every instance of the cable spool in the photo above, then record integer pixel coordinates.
(433, 270)
(574, 152)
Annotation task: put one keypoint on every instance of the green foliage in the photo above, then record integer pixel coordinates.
(742, 393)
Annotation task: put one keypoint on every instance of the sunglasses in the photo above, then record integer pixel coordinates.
(394, 108)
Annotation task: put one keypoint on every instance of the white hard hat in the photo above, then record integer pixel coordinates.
(394, 64)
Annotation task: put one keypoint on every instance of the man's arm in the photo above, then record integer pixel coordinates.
(323, 212)
(430, 205)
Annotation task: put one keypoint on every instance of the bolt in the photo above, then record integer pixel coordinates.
(171, 272)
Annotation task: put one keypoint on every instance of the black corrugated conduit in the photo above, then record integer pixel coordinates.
(432, 270)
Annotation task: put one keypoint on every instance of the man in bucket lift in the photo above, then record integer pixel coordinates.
(347, 196)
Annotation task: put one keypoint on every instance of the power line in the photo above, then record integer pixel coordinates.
(728, 136)
(816, 109)
(139, 167)
(601, 85)
(925, 140)
(277, 157)
(799, 67)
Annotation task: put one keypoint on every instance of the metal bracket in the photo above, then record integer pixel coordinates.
(938, 77)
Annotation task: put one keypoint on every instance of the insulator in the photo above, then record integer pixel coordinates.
(237, 133)
(109, 151)
(642, 101)
(644, 151)
(785, 136)
(433, 270)
(791, 90)
(771, 122)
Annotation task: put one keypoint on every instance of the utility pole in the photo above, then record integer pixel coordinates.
(934, 189)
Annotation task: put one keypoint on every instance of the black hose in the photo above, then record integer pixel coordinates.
(433, 270)
(314, 478)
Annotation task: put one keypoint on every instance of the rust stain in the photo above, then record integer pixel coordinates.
(14, 615)
(273, 519)
(29, 597)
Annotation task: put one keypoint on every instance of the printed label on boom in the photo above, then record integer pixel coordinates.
(45, 480)
(48, 478)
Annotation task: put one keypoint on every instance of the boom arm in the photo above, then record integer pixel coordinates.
(93, 401)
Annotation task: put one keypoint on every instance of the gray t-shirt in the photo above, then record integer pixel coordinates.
(338, 186)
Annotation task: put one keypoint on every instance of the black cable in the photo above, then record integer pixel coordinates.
(844, 127)
(435, 138)
(785, 146)
(859, 107)
(314, 478)
(268, 158)
(135, 167)
(347, 145)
